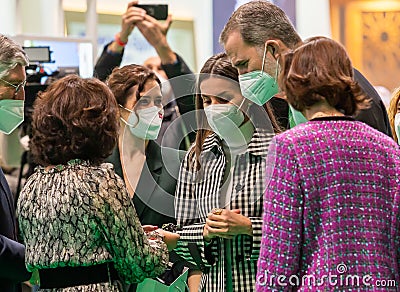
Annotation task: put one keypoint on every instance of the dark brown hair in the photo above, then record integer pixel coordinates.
(215, 66)
(74, 118)
(123, 79)
(321, 69)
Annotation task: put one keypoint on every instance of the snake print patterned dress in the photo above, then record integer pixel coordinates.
(81, 215)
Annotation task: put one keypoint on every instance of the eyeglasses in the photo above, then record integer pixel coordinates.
(17, 87)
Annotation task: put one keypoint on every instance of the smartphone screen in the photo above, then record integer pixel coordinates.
(158, 11)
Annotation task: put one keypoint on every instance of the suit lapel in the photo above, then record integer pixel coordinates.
(149, 178)
(9, 199)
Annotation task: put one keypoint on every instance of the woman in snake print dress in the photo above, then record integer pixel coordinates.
(75, 216)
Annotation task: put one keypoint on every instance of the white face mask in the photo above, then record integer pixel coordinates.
(397, 126)
(145, 123)
(224, 119)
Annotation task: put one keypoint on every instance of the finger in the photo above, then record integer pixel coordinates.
(131, 22)
(137, 15)
(217, 225)
(132, 3)
(149, 228)
(237, 211)
(219, 232)
(226, 236)
(167, 23)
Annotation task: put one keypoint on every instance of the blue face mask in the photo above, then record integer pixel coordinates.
(258, 86)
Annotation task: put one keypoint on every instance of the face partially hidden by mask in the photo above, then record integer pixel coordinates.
(397, 126)
(145, 123)
(258, 86)
(225, 120)
(11, 115)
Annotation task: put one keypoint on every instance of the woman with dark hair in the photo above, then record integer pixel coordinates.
(149, 170)
(331, 206)
(221, 182)
(75, 215)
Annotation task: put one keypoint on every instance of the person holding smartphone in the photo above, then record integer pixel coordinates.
(168, 65)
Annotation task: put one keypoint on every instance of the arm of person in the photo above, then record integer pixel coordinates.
(112, 54)
(155, 33)
(186, 214)
(135, 256)
(376, 115)
(12, 261)
(281, 241)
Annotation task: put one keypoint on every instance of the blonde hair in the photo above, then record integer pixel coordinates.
(393, 110)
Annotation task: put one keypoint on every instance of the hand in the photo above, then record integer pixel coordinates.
(170, 238)
(149, 228)
(129, 19)
(155, 33)
(226, 225)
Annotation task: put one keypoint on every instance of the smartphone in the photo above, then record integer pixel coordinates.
(158, 11)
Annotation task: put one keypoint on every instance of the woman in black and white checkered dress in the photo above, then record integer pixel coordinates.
(221, 182)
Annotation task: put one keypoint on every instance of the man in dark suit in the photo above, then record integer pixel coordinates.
(255, 37)
(12, 81)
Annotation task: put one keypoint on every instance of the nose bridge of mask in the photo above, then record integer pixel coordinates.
(150, 114)
(226, 112)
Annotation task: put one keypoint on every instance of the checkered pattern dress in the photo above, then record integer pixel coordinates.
(199, 191)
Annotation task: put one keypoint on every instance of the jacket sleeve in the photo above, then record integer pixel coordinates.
(12, 261)
(106, 63)
(135, 256)
(252, 244)
(183, 83)
(280, 243)
(376, 115)
(186, 213)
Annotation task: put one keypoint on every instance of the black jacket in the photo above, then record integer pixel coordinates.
(12, 253)
(156, 187)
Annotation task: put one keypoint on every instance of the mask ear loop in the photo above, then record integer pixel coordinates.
(263, 60)
(276, 70)
(240, 106)
(132, 113)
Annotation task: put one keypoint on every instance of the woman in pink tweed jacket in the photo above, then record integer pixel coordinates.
(331, 211)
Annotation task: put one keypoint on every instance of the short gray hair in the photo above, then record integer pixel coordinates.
(259, 21)
(11, 55)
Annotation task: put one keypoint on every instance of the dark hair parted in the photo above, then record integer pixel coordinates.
(320, 69)
(122, 80)
(259, 21)
(74, 118)
(219, 65)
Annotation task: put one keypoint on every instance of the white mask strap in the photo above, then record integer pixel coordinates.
(263, 61)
